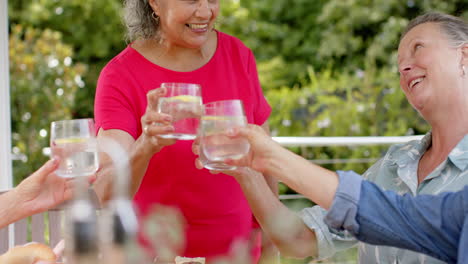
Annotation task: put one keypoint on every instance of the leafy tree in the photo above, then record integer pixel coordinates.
(92, 28)
(44, 82)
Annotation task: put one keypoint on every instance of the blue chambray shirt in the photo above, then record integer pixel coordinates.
(434, 225)
(396, 171)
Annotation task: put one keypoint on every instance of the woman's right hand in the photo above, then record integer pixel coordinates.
(154, 124)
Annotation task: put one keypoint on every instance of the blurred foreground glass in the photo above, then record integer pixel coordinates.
(215, 147)
(184, 103)
(74, 141)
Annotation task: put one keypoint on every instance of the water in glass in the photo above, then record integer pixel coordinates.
(216, 146)
(78, 156)
(185, 111)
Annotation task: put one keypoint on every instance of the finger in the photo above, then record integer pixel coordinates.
(59, 248)
(153, 96)
(68, 192)
(165, 141)
(157, 129)
(92, 178)
(196, 148)
(155, 117)
(49, 167)
(198, 164)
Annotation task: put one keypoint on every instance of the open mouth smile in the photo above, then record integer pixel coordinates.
(197, 26)
(415, 82)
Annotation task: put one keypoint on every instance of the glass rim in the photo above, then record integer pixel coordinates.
(215, 103)
(72, 120)
(179, 85)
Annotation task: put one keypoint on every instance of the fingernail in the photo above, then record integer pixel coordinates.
(231, 132)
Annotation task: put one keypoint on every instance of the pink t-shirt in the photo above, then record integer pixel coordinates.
(214, 206)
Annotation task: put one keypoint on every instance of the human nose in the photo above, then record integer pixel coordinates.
(204, 9)
(405, 68)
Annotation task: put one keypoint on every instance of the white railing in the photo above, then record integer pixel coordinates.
(341, 141)
(324, 142)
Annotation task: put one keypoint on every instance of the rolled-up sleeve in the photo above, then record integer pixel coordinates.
(329, 241)
(342, 213)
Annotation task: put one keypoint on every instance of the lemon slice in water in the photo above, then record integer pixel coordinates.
(186, 98)
(70, 140)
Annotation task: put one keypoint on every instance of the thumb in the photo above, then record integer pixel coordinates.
(46, 169)
(247, 132)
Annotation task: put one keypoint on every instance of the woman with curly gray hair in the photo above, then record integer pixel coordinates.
(175, 41)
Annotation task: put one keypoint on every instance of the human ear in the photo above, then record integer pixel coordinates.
(464, 50)
(154, 5)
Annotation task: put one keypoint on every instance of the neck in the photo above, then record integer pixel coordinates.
(174, 51)
(180, 58)
(448, 132)
(450, 123)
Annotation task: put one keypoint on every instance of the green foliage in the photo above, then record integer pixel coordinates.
(284, 31)
(93, 29)
(44, 82)
(328, 66)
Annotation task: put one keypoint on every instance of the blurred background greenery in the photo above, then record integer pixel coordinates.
(328, 67)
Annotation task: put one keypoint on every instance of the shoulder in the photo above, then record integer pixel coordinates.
(119, 62)
(232, 44)
(396, 154)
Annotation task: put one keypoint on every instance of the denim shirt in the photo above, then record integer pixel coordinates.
(396, 171)
(433, 225)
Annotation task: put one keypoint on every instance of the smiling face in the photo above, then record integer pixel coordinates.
(430, 68)
(186, 23)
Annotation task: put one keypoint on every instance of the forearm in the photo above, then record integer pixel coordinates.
(139, 161)
(282, 226)
(315, 182)
(11, 210)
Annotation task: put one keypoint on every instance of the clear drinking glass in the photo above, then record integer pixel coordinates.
(184, 103)
(74, 141)
(215, 147)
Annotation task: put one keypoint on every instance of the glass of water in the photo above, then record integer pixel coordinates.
(184, 103)
(215, 146)
(74, 141)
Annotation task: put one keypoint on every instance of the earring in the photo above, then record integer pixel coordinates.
(155, 17)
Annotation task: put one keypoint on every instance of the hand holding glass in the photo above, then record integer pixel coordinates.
(74, 142)
(183, 102)
(215, 146)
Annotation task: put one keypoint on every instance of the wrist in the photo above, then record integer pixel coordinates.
(15, 208)
(143, 148)
(274, 161)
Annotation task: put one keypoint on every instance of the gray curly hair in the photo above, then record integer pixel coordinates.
(138, 18)
(454, 27)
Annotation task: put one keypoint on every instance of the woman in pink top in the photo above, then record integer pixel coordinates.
(175, 41)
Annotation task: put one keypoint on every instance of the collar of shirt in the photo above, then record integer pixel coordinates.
(459, 154)
(408, 156)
